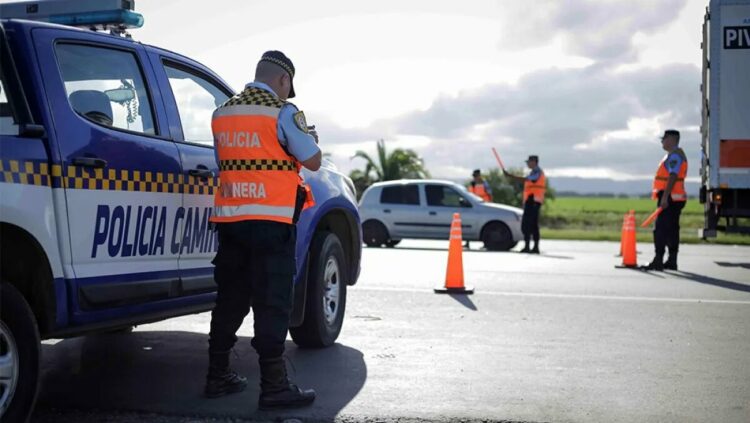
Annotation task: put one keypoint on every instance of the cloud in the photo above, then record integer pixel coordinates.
(598, 29)
(593, 117)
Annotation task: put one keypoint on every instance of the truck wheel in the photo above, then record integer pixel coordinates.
(374, 233)
(497, 237)
(19, 356)
(325, 301)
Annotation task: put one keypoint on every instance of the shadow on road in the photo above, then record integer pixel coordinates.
(729, 264)
(640, 270)
(464, 300)
(164, 372)
(711, 281)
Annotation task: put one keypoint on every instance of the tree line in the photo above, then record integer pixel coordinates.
(407, 164)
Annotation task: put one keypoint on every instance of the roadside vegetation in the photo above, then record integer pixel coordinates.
(563, 217)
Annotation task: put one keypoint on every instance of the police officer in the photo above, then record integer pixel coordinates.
(534, 187)
(262, 141)
(669, 191)
(480, 187)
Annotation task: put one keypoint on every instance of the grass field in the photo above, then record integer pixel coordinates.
(591, 218)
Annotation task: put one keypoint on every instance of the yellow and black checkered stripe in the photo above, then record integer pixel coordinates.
(258, 164)
(76, 177)
(256, 97)
(28, 172)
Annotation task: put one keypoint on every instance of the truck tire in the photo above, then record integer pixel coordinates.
(374, 233)
(496, 236)
(19, 356)
(325, 301)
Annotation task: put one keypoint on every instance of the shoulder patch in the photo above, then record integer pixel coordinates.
(300, 121)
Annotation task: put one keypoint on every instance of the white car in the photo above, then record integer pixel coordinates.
(423, 209)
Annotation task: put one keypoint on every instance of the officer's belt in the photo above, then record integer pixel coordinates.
(661, 178)
(257, 164)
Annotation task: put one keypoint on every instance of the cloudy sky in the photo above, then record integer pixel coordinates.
(587, 85)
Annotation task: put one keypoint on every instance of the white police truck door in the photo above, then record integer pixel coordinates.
(122, 177)
(195, 96)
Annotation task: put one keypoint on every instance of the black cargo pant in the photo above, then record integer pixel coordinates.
(667, 228)
(255, 266)
(530, 220)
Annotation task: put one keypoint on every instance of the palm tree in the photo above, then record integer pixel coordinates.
(400, 164)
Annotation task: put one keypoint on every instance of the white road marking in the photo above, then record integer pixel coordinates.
(571, 296)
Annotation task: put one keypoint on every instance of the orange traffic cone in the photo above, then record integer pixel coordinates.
(622, 231)
(454, 276)
(629, 254)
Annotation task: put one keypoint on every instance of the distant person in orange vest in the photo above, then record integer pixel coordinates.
(534, 187)
(480, 188)
(669, 191)
(262, 141)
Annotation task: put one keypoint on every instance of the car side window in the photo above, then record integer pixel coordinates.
(400, 194)
(442, 196)
(196, 99)
(106, 86)
(8, 122)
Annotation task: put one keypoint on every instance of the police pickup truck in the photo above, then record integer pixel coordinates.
(107, 171)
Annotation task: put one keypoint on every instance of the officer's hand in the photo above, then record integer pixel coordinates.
(664, 202)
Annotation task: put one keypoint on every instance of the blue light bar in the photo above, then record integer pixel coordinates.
(127, 18)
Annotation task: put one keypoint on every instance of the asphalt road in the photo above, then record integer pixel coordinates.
(561, 337)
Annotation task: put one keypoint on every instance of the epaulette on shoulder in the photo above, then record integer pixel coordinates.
(255, 96)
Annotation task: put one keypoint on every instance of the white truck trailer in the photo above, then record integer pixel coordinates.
(725, 127)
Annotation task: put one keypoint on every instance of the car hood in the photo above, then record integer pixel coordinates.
(495, 206)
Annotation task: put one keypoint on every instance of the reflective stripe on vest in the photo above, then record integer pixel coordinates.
(536, 188)
(258, 179)
(478, 189)
(662, 177)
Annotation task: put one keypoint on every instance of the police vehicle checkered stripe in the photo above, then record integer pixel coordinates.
(38, 173)
(258, 164)
(25, 172)
(255, 96)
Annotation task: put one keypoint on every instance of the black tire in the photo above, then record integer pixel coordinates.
(328, 272)
(374, 233)
(392, 243)
(19, 335)
(496, 236)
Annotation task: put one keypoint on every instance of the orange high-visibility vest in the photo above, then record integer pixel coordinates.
(536, 188)
(258, 179)
(662, 176)
(481, 191)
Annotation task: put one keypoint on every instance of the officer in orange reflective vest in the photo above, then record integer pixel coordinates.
(262, 142)
(534, 187)
(669, 191)
(480, 187)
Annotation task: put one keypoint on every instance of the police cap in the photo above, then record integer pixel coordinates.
(278, 58)
(533, 158)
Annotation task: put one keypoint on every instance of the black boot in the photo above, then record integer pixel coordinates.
(656, 265)
(221, 380)
(535, 250)
(671, 263)
(275, 389)
(526, 249)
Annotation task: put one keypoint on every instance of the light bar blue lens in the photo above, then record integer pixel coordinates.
(126, 17)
